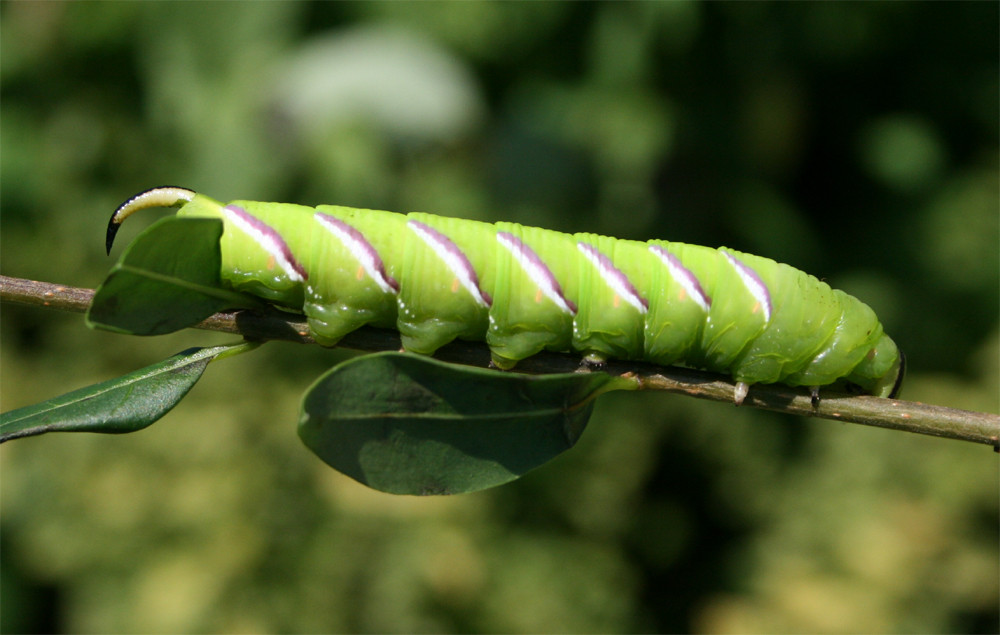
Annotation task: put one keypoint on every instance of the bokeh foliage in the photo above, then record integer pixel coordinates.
(857, 141)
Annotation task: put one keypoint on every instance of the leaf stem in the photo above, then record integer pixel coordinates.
(951, 423)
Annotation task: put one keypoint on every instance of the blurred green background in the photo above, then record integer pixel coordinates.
(856, 141)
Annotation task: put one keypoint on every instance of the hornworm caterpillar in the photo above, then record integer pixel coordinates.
(523, 290)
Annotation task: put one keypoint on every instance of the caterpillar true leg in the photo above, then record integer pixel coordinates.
(593, 362)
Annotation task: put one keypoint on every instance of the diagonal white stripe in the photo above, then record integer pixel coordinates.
(361, 249)
(753, 283)
(452, 256)
(613, 276)
(267, 238)
(537, 272)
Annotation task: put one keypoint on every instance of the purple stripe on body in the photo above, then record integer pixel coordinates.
(688, 281)
(454, 258)
(753, 283)
(614, 277)
(537, 271)
(362, 250)
(269, 240)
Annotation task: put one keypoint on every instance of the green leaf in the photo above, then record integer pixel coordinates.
(166, 280)
(407, 424)
(124, 404)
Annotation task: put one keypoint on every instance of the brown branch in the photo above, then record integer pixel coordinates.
(950, 423)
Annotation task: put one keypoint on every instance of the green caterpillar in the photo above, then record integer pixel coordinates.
(523, 290)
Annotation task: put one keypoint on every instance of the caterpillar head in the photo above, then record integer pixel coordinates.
(881, 372)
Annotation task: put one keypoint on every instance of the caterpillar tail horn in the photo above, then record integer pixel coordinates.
(164, 196)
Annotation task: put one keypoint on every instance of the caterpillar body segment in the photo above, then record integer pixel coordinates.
(447, 272)
(523, 290)
(361, 287)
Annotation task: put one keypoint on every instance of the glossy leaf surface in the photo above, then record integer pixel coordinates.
(166, 280)
(406, 424)
(124, 404)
